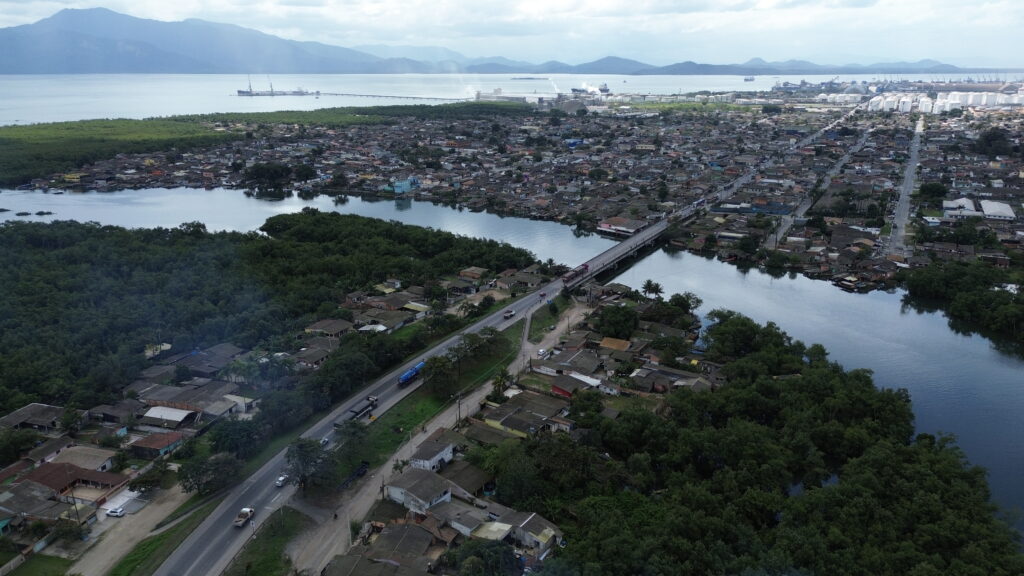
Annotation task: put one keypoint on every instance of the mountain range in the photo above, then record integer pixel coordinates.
(97, 40)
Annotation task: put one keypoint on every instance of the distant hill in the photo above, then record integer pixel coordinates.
(98, 40)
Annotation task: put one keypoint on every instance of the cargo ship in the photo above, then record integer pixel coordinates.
(272, 92)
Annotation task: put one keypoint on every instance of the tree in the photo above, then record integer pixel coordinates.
(239, 437)
(349, 436)
(617, 321)
(306, 460)
(68, 530)
(304, 172)
(151, 479)
(182, 373)
(687, 302)
(14, 442)
(70, 421)
(933, 191)
(206, 476)
(648, 287)
(553, 308)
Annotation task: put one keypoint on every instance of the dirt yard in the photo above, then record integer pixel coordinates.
(120, 535)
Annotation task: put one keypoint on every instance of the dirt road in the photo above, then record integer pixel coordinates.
(125, 532)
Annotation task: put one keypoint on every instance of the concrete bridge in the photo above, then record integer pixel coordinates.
(628, 248)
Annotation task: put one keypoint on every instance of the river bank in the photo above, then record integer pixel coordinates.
(959, 383)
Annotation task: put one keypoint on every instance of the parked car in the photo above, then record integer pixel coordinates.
(116, 512)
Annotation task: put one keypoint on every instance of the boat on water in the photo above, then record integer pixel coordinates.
(748, 78)
(298, 92)
(603, 89)
(272, 92)
(530, 78)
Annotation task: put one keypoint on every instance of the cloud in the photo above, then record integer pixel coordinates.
(655, 31)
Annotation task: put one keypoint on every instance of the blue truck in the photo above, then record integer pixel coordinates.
(411, 374)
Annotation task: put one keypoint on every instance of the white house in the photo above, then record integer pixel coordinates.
(431, 455)
(997, 210)
(418, 490)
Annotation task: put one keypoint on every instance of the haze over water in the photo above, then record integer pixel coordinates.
(29, 99)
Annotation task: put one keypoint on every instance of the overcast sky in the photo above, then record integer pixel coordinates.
(962, 32)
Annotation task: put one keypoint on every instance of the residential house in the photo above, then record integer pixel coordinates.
(165, 417)
(75, 484)
(27, 502)
(87, 457)
(125, 411)
(331, 327)
(310, 358)
(156, 445)
(527, 413)
(418, 490)
(431, 455)
(49, 449)
(40, 417)
(472, 274)
(533, 532)
(566, 386)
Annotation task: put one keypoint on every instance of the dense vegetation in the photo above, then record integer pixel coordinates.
(78, 302)
(794, 467)
(336, 117)
(40, 150)
(972, 293)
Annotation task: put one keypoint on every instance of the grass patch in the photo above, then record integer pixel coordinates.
(931, 212)
(391, 430)
(41, 150)
(886, 229)
(543, 318)
(535, 382)
(625, 403)
(7, 555)
(42, 565)
(149, 554)
(264, 555)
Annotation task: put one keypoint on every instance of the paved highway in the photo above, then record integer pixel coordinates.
(211, 547)
(897, 238)
(786, 221)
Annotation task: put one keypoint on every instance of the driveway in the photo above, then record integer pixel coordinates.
(119, 535)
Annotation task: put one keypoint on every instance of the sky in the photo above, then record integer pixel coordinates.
(984, 33)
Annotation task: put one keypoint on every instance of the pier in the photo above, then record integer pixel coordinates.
(272, 93)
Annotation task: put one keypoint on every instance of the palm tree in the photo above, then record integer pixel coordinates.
(648, 287)
(501, 382)
(657, 290)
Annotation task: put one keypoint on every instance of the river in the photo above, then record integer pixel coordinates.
(960, 384)
(28, 99)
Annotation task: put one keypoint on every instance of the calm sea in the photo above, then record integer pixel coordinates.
(27, 99)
